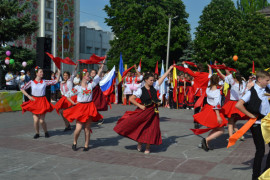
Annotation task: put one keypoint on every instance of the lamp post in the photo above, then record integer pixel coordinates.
(168, 45)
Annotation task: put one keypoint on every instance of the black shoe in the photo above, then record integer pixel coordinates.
(204, 145)
(47, 135)
(67, 128)
(74, 147)
(36, 136)
(85, 149)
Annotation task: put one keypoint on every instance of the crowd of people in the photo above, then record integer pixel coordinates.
(218, 100)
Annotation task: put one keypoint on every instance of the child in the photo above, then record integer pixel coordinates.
(38, 103)
(255, 104)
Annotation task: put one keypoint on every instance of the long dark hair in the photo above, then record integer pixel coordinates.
(148, 75)
(238, 77)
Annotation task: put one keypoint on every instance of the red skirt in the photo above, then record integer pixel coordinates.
(82, 112)
(229, 109)
(140, 125)
(207, 117)
(39, 106)
(99, 99)
(64, 103)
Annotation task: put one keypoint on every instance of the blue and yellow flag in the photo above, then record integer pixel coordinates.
(121, 68)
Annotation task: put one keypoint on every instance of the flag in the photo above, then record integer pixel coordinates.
(67, 60)
(94, 59)
(156, 70)
(56, 60)
(107, 83)
(190, 63)
(126, 71)
(253, 68)
(162, 89)
(121, 68)
(174, 85)
(140, 66)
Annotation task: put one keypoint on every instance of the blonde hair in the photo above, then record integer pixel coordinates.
(262, 74)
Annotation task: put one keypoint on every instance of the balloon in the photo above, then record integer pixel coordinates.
(7, 61)
(235, 58)
(8, 53)
(24, 64)
(7, 58)
(11, 61)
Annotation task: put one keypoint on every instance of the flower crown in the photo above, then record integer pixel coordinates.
(36, 68)
(84, 71)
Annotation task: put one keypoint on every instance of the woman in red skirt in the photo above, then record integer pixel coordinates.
(189, 94)
(210, 115)
(65, 86)
(237, 90)
(38, 103)
(142, 125)
(84, 110)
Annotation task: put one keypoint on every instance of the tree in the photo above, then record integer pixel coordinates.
(188, 53)
(224, 31)
(215, 38)
(141, 29)
(251, 6)
(14, 22)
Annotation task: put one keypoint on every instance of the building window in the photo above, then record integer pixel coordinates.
(48, 4)
(48, 15)
(103, 53)
(48, 27)
(97, 51)
(89, 50)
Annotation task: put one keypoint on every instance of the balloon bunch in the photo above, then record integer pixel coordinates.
(11, 61)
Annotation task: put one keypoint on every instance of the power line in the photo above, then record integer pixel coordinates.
(92, 14)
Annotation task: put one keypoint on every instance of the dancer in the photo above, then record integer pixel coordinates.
(199, 87)
(238, 87)
(142, 125)
(84, 110)
(65, 86)
(38, 103)
(128, 91)
(255, 104)
(181, 92)
(189, 94)
(210, 115)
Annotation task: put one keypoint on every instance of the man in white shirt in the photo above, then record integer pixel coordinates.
(10, 84)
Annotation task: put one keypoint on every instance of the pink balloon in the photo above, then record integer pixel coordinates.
(24, 64)
(7, 61)
(8, 53)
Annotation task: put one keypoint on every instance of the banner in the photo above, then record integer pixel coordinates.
(11, 101)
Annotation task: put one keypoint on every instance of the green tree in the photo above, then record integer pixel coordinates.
(215, 38)
(141, 29)
(188, 53)
(14, 22)
(251, 6)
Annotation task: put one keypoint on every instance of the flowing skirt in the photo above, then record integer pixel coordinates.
(64, 103)
(82, 112)
(140, 125)
(99, 99)
(230, 110)
(39, 106)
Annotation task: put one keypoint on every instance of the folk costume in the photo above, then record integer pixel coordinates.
(181, 94)
(142, 125)
(189, 95)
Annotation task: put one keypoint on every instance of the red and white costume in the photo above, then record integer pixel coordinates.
(138, 81)
(41, 104)
(65, 87)
(207, 117)
(236, 93)
(85, 107)
(128, 83)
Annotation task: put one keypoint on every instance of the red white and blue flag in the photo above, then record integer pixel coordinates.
(107, 83)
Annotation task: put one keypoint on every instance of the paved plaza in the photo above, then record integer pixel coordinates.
(113, 157)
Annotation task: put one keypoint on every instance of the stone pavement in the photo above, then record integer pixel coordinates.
(112, 157)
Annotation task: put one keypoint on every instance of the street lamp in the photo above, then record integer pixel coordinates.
(168, 45)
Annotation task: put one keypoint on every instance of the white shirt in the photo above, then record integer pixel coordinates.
(138, 93)
(235, 92)
(67, 86)
(76, 80)
(265, 107)
(21, 81)
(9, 76)
(38, 89)
(214, 98)
(84, 94)
(138, 85)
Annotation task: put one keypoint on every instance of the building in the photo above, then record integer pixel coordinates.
(59, 20)
(93, 42)
(265, 11)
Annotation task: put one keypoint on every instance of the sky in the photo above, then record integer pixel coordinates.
(92, 13)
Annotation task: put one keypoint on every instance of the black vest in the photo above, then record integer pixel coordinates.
(145, 97)
(253, 106)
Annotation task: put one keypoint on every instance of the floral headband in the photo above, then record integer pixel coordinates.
(36, 68)
(84, 71)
